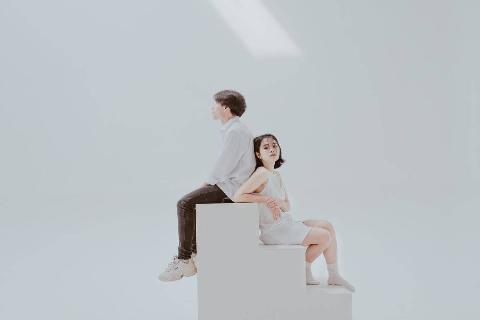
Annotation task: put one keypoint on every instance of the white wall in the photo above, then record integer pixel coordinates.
(105, 123)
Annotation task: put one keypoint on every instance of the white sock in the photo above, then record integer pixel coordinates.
(332, 268)
(336, 279)
(310, 278)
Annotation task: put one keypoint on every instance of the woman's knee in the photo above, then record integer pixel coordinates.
(326, 225)
(320, 223)
(324, 236)
(330, 227)
(318, 236)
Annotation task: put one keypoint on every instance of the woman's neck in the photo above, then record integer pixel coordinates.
(269, 166)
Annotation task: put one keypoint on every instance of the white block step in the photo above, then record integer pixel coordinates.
(226, 225)
(240, 278)
(282, 267)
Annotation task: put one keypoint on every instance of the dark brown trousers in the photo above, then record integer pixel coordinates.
(187, 216)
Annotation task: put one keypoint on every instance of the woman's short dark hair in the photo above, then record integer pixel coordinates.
(233, 100)
(257, 141)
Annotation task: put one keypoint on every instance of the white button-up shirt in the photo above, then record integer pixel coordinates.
(236, 161)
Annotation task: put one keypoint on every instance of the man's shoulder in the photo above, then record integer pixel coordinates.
(240, 129)
(238, 124)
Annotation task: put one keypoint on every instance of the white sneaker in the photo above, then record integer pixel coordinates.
(195, 261)
(177, 269)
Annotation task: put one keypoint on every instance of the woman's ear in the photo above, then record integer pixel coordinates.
(258, 155)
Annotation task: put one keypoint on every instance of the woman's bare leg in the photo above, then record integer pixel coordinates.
(330, 253)
(317, 240)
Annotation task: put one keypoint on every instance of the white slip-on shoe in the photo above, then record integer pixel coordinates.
(177, 269)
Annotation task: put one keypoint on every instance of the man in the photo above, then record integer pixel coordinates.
(234, 165)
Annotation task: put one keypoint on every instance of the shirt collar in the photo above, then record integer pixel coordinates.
(229, 123)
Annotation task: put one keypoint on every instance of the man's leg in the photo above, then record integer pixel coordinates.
(194, 239)
(182, 265)
(187, 216)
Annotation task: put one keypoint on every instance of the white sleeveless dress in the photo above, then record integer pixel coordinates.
(284, 230)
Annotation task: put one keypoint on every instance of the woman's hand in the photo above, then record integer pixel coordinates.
(272, 202)
(273, 205)
(276, 212)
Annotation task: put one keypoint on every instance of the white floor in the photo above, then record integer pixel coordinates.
(91, 258)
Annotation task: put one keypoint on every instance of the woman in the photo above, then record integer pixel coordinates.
(277, 227)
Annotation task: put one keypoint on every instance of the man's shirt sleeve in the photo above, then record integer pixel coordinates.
(232, 150)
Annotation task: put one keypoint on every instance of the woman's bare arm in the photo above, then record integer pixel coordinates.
(246, 191)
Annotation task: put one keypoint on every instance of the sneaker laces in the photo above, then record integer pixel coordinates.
(173, 264)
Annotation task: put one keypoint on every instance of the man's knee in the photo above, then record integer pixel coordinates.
(227, 200)
(183, 204)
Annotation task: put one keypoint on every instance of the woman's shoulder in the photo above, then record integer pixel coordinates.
(262, 172)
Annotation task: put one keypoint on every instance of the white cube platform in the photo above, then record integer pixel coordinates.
(239, 278)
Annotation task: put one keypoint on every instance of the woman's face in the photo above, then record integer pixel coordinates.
(269, 150)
